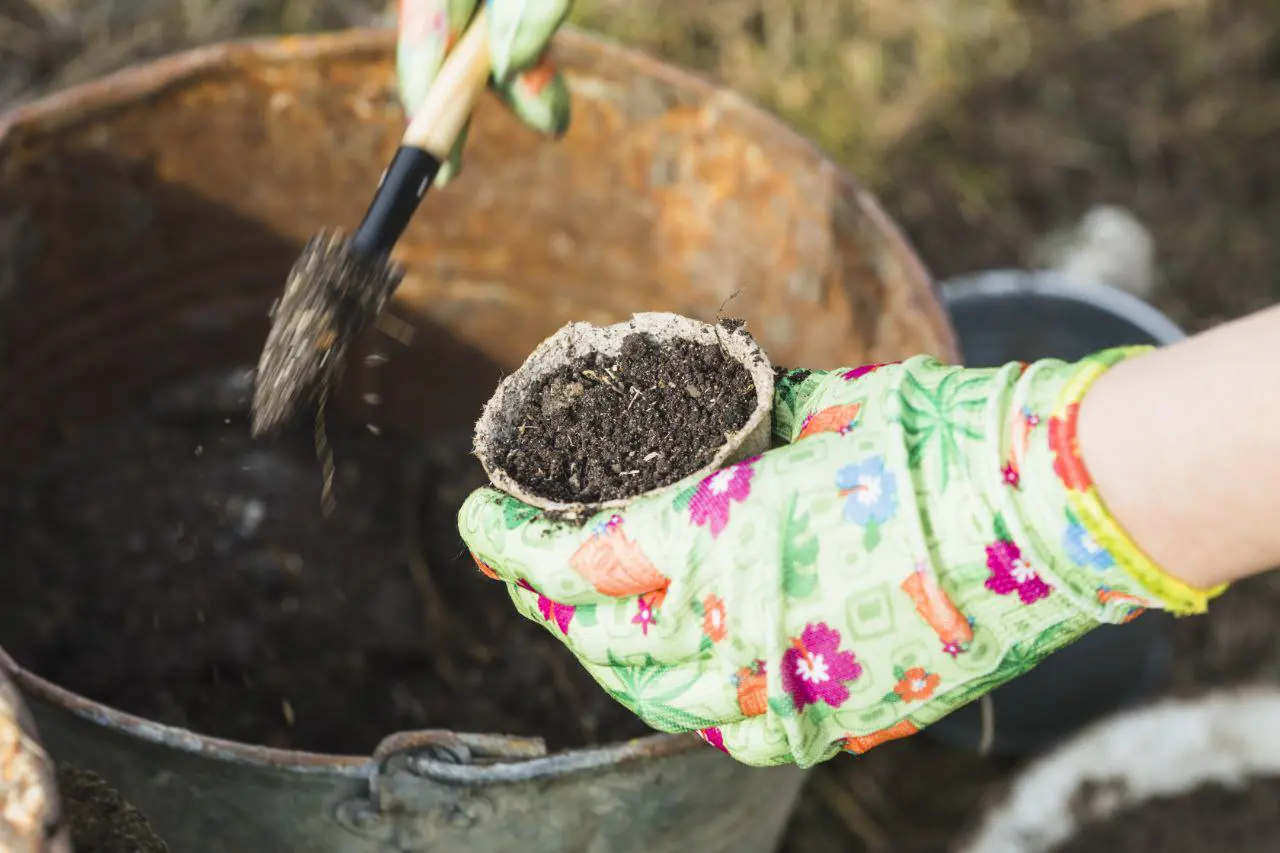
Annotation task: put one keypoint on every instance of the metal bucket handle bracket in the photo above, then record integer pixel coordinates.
(421, 780)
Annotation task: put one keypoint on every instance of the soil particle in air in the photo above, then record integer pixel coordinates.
(1206, 820)
(101, 821)
(169, 566)
(609, 427)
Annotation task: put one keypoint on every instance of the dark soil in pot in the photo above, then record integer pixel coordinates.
(167, 565)
(101, 821)
(1208, 819)
(603, 428)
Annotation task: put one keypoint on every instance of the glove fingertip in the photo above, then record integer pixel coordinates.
(478, 507)
(745, 742)
(449, 170)
(540, 99)
(452, 167)
(519, 34)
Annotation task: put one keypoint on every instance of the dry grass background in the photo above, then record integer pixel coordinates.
(981, 124)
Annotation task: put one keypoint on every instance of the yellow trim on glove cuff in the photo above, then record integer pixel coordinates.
(1082, 496)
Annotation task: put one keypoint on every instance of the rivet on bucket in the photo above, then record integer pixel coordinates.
(574, 340)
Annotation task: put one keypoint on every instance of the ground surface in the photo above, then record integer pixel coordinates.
(981, 125)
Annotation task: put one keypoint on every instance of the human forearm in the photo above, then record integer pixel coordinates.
(1183, 446)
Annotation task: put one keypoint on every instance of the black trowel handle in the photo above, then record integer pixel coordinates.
(429, 139)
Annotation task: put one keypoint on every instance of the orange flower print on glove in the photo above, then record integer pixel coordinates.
(860, 744)
(838, 419)
(1065, 446)
(616, 567)
(914, 685)
(753, 689)
(938, 611)
(713, 619)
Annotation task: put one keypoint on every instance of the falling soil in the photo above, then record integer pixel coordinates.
(609, 427)
(101, 821)
(169, 566)
(1209, 818)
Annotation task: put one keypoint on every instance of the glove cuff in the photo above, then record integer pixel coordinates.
(1051, 494)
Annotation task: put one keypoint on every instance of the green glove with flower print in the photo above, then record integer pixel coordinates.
(922, 534)
(519, 32)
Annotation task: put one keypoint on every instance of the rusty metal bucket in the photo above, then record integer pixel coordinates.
(149, 220)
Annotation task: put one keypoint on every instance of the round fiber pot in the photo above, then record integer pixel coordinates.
(151, 219)
(1009, 315)
(1182, 776)
(499, 429)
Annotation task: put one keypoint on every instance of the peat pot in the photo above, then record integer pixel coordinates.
(1007, 315)
(150, 219)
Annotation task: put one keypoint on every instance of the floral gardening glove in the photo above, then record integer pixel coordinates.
(926, 533)
(519, 32)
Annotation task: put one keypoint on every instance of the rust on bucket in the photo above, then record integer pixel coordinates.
(147, 222)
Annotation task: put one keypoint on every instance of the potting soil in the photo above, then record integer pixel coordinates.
(169, 566)
(609, 427)
(1209, 819)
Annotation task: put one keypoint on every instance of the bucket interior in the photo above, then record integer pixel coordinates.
(147, 224)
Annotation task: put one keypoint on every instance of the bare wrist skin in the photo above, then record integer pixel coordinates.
(1184, 446)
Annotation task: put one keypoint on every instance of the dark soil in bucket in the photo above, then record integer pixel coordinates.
(167, 565)
(100, 820)
(1206, 820)
(603, 428)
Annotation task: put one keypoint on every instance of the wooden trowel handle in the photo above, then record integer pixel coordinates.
(443, 113)
(426, 144)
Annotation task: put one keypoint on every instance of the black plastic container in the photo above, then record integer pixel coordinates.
(1009, 315)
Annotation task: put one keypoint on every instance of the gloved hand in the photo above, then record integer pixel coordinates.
(925, 534)
(519, 32)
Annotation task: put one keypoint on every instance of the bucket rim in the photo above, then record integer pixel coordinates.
(994, 284)
(85, 102)
(515, 769)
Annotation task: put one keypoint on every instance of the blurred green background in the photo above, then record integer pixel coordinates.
(981, 124)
